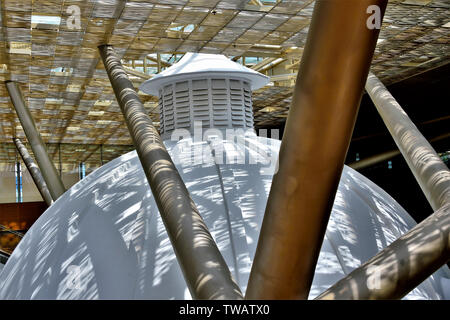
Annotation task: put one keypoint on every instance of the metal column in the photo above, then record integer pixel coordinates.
(373, 160)
(159, 62)
(430, 172)
(370, 161)
(59, 160)
(203, 266)
(34, 171)
(101, 154)
(399, 268)
(48, 170)
(329, 86)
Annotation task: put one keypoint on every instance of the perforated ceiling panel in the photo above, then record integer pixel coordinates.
(55, 58)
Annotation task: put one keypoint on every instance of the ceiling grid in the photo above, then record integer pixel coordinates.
(57, 65)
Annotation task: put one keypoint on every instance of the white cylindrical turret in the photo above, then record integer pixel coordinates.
(205, 88)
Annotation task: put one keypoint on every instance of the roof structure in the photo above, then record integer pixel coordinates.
(203, 64)
(50, 48)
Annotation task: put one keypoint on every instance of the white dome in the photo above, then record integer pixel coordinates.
(198, 65)
(106, 239)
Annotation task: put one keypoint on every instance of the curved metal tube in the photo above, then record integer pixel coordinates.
(48, 170)
(373, 160)
(428, 168)
(399, 268)
(327, 95)
(34, 172)
(204, 269)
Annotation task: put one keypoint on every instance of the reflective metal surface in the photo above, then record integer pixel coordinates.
(430, 172)
(34, 172)
(204, 268)
(48, 170)
(403, 265)
(319, 126)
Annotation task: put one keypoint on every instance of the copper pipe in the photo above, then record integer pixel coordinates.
(204, 269)
(428, 168)
(48, 170)
(34, 172)
(375, 159)
(328, 91)
(402, 266)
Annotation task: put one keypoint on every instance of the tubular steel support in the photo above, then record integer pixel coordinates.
(48, 170)
(59, 160)
(430, 172)
(399, 268)
(373, 160)
(34, 171)
(203, 266)
(370, 161)
(327, 94)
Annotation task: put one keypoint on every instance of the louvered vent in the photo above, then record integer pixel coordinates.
(217, 103)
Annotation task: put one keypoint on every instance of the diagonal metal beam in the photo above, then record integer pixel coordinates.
(263, 63)
(138, 73)
(402, 266)
(34, 172)
(329, 87)
(159, 61)
(428, 168)
(205, 271)
(48, 170)
(373, 160)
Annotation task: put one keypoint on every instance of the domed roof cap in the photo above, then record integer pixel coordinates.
(195, 65)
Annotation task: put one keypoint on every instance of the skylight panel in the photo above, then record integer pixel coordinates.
(52, 20)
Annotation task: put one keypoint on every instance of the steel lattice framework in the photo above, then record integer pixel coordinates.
(55, 59)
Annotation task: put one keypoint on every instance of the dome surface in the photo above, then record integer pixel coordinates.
(104, 238)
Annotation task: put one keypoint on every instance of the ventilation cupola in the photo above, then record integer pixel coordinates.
(205, 88)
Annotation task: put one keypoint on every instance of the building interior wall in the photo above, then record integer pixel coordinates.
(29, 190)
